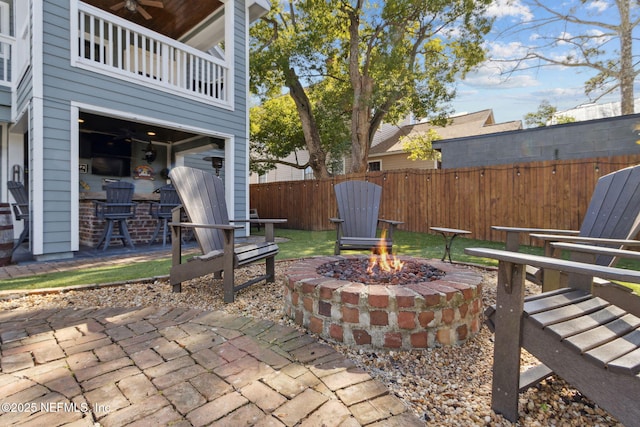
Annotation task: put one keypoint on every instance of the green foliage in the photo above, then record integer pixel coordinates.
(540, 117)
(544, 115)
(354, 65)
(419, 146)
(560, 120)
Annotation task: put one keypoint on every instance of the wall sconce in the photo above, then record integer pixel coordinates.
(216, 163)
(150, 153)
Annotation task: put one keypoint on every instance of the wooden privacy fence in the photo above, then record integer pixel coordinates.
(550, 194)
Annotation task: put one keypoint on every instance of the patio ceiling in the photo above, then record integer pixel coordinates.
(174, 20)
(92, 123)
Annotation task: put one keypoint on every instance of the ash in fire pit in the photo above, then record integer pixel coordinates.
(361, 270)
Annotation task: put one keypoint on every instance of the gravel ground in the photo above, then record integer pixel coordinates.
(448, 386)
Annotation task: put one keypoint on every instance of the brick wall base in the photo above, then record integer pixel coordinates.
(447, 311)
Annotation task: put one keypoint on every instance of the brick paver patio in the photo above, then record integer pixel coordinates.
(179, 367)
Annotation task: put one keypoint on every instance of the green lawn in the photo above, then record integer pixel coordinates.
(298, 244)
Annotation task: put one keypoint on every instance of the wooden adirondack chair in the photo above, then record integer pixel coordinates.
(357, 222)
(590, 342)
(117, 208)
(20, 209)
(612, 219)
(162, 211)
(203, 201)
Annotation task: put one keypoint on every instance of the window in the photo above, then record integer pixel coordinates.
(308, 173)
(375, 166)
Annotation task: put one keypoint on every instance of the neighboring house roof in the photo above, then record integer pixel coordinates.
(477, 123)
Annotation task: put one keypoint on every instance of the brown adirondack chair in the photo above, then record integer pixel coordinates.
(357, 223)
(203, 200)
(590, 342)
(117, 208)
(612, 219)
(161, 211)
(20, 210)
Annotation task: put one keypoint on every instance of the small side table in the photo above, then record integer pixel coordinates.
(449, 234)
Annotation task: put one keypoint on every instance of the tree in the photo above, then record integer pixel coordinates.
(580, 36)
(542, 116)
(373, 61)
(276, 132)
(545, 115)
(420, 146)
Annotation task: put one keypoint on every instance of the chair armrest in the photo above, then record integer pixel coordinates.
(596, 250)
(261, 220)
(533, 230)
(391, 222)
(21, 211)
(592, 270)
(594, 240)
(194, 225)
(513, 234)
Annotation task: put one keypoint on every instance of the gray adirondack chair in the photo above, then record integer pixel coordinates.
(161, 211)
(203, 200)
(589, 341)
(612, 220)
(20, 210)
(116, 210)
(357, 222)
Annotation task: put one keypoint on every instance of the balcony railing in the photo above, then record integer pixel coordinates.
(118, 47)
(6, 49)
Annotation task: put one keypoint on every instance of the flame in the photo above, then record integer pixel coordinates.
(384, 261)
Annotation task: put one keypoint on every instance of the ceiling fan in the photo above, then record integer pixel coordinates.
(136, 6)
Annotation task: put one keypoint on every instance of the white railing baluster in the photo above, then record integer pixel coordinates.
(110, 45)
(82, 32)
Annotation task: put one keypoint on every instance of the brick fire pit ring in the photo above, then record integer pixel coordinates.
(447, 311)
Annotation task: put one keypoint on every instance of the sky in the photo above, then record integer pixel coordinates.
(513, 96)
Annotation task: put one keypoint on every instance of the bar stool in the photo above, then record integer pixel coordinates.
(117, 209)
(162, 212)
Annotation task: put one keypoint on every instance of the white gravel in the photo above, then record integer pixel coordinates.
(448, 386)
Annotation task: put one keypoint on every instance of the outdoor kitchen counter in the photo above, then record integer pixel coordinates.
(141, 227)
(102, 195)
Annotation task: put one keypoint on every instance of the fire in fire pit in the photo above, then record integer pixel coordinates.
(381, 269)
(360, 270)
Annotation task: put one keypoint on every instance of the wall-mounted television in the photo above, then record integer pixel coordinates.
(110, 166)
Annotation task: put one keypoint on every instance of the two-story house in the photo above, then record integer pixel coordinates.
(87, 88)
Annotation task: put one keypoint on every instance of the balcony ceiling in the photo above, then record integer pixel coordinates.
(174, 20)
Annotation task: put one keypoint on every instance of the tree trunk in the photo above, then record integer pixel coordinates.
(626, 65)
(362, 85)
(317, 156)
(360, 118)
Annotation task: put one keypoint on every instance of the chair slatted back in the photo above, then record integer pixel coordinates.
(118, 193)
(168, 200)
(202, 196)
(358, 205)
(614, 209)
(20, 195)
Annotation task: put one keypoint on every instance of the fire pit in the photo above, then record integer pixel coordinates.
(421, 304)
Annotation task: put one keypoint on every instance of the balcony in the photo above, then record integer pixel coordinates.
(119, 48)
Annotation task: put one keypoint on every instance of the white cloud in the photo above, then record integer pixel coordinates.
(506, 8)
(499, 50)
(489, 76)
(598, 5)
(560, 92)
